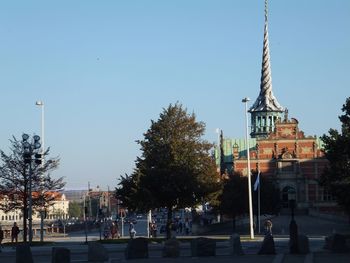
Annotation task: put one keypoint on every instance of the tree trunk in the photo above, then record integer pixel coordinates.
(25, 206)
(169, 222)
(233, 223)
(25, 215)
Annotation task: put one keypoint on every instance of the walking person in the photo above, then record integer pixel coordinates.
(1, 237)
(14, 233)
(132, 231)
(113, 230)
(268, 227)
(154, 229)
(187, 227)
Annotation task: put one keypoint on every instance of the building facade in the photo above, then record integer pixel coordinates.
(278, 149)
(58, 210)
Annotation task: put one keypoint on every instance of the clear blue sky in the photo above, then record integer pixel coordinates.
(104, 69)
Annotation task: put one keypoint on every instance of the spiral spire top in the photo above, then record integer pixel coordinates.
(266, 100)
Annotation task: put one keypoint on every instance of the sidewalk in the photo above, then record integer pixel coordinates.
(116, 254)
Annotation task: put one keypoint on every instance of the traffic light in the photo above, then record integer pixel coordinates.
(86, 210)
(27, 157)
(38, 157)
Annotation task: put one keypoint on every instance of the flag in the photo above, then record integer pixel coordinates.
(257, 182)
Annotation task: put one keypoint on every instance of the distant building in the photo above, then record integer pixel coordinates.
(58, 210)
(103, 203)
(98, 202)
(278, 148)
(75, 195)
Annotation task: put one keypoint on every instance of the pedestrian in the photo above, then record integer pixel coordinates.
(14, 233)
(113, 230)
(106, 231)
(154, 229)
(187, 227)
(132, 231)
(1, 237)
(180, 226)
(268, 227)
(117, 229)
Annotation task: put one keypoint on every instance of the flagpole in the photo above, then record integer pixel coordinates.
(259, 206)
(250, 199)
(257, 188)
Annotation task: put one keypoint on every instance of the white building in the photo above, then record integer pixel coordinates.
(59, 210)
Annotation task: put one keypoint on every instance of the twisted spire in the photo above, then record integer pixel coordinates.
(266, 100)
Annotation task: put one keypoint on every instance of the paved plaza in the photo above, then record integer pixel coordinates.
(315, 228)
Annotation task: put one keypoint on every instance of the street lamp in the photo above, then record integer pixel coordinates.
(245, 101)
(30, 149)
(41, 104)
(293, 227)
(292, 202)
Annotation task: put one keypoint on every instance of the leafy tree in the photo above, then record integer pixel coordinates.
(14, 182)
(175, 169)
(336, 176)
(270, 196)
(75, 209)
(234, 197)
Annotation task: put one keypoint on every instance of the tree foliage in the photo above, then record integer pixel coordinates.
(75, 209)
(270, 195)
(14, 181)
(175, 169)
(336, 176)
(234, 197)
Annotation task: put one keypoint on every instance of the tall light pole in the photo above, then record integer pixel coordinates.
(41, 104)
(30, 149)
(245, 101)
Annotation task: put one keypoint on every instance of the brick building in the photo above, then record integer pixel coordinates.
(278, 148)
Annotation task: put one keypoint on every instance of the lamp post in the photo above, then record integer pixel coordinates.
(29, 149)
(293, 227)
(85, 219)
(245, 101)
(292, 202)
(41, 104)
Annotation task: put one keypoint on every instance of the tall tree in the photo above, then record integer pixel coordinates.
(336, 176)
(75, 209)
(175, 169)
(270, 196)
(234, 197)
(14, 181)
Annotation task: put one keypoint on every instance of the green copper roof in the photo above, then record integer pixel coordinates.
(228, 145)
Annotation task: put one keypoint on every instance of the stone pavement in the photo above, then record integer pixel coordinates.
(116, 254)
(315, 228)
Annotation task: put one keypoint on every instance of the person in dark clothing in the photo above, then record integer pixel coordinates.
(1, 237)
(14, 233)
